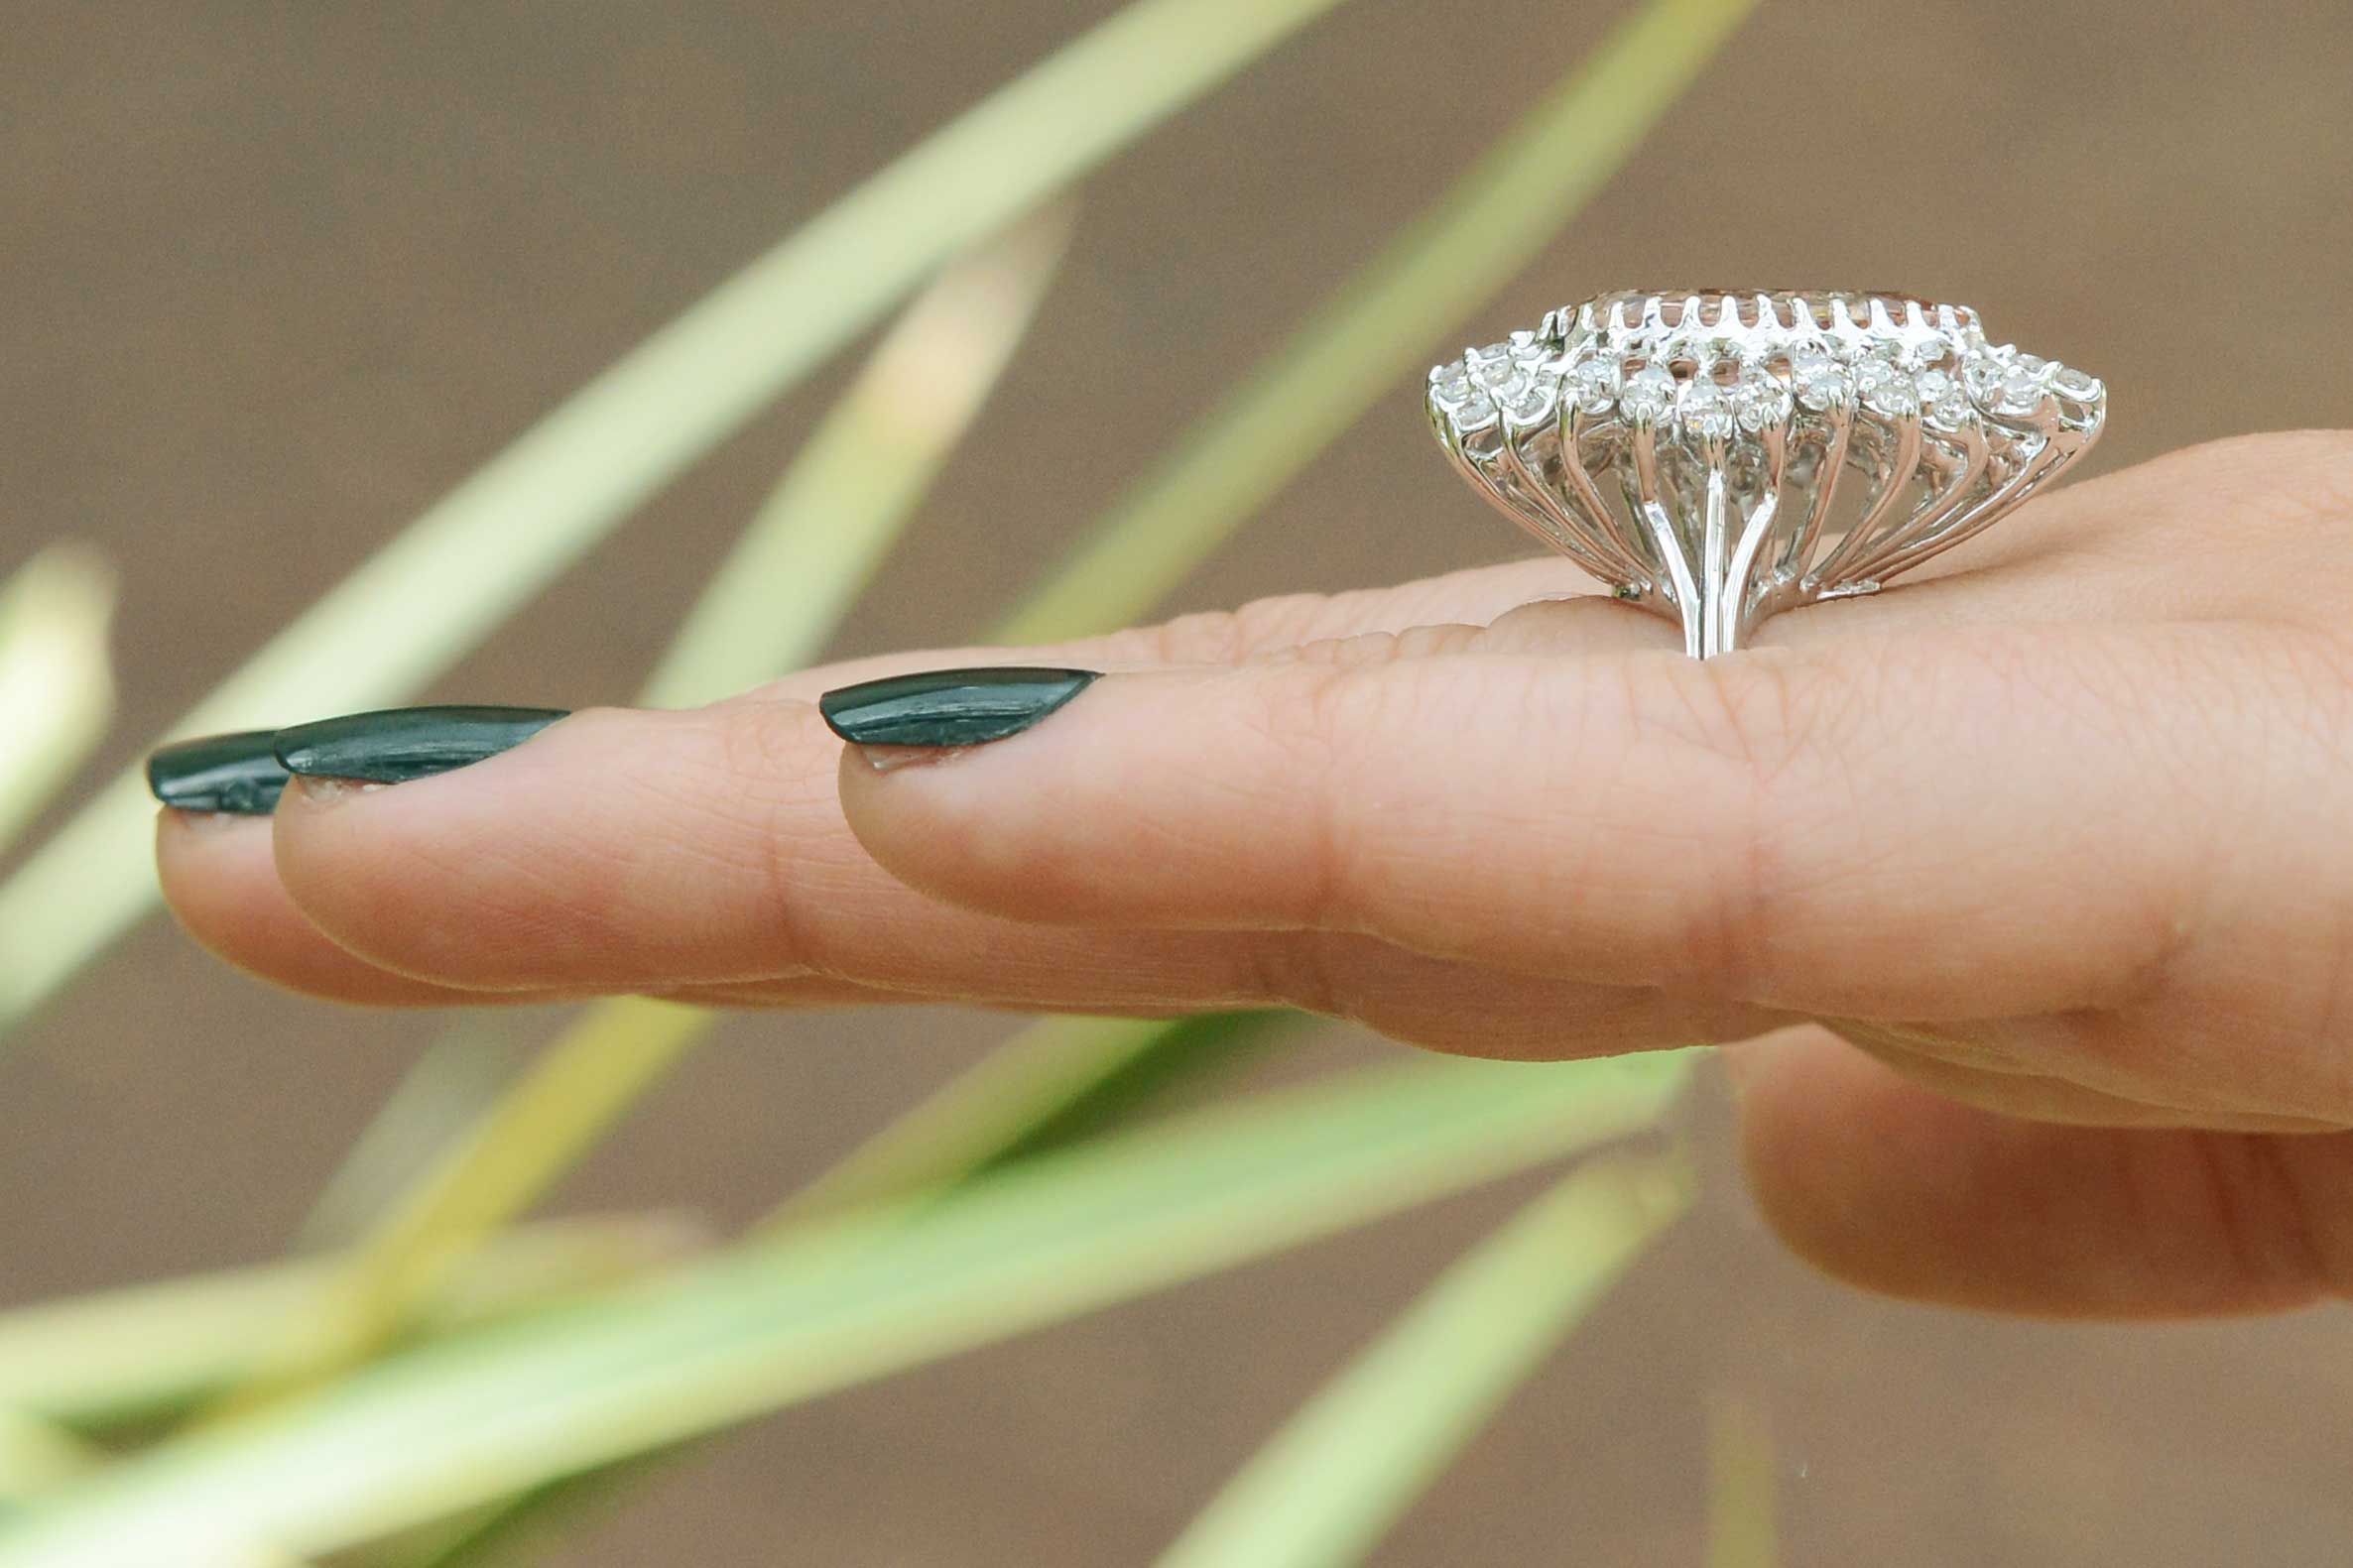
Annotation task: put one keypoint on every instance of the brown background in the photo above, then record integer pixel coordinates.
(274, 276)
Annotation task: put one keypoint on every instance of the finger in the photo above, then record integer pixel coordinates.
(1878, 829)
(1894, 1188)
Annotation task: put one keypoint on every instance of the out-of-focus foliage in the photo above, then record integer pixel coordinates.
(1743, 1528)
(57, 691)
(446, 1368)
(461, 1421)
(1355, 1456)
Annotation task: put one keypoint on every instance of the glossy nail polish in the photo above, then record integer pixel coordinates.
(237, 774)
(949, 708)
(400, 743)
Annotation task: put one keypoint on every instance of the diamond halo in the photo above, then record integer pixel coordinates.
(1718, 457)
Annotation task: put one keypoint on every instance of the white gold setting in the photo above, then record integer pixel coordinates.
(1719, 457)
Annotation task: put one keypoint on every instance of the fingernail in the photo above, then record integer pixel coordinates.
(237, 774)
(400, 743)
(949, 708)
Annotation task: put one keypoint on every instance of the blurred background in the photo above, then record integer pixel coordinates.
(274, 278)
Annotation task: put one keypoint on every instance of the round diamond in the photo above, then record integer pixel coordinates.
(2021, 390)
(1508, 385)
(1760, 400)
(1927, 351)
(1449, 385)
(1532, 403)
(2075, 386)
(1497, 369)
(1708, 350)
(1475, 412)
(1945, 400)
(1981, 375)
(1648, 394)
(1594, 384)
(1886, 390)
(1703, 409)
(1821, 382)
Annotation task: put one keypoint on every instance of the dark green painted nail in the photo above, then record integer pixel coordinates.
(238, 773)
(949, 708)
(400, 743)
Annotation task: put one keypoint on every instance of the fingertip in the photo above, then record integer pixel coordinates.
(977, 826)
(220, 880)
(1890, 1187)
(198, 853)
(910, 838)
(1815, 1121)
(616, 850)
(403, 874)
(938, 765)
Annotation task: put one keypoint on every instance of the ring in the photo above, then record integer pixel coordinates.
(1719, 457)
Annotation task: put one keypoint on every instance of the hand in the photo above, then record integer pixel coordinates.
(2034, 874)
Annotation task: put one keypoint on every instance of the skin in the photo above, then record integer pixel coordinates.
(2027, 884)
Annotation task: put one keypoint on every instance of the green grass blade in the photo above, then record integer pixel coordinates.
(131, 1353)
(437, 1100)
(525, 1528)
(532, 510)
(1184, 1052)
(38, 1456)
(778, 599)
(564, 1102)
(1380, 324)
(1061, 1080)
(1347, 1466)
(57, 691)
(461, 1422)
(1055, 1083)
(1742, 1518)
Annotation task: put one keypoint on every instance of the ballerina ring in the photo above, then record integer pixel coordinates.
(1718, 457)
